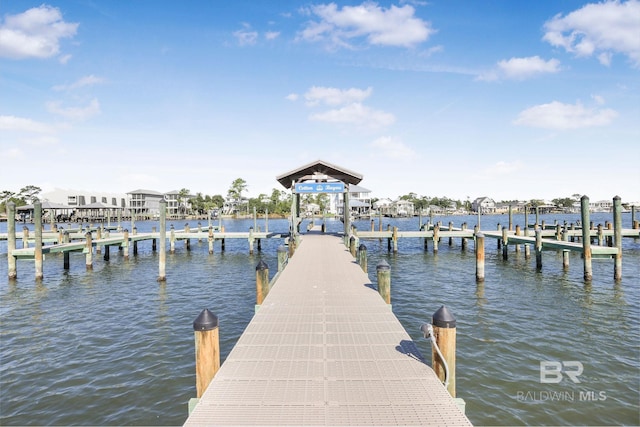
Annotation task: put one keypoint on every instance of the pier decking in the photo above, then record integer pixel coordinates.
(325, 349)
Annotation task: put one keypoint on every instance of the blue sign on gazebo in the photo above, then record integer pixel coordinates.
(319, 187)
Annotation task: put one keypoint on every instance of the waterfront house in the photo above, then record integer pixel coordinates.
(145, 203)
(176, 205)
(402, 207)
(233, 206)
(516, 207)
(85, 203)
(396, 208)
(483, 205)
(359, 201)
(601, 206)
(383, 206)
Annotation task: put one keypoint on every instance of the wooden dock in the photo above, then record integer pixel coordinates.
(325, 349)
(100, 239)
(557, 238)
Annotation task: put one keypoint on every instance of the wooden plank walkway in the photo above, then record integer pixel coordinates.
(325, 349)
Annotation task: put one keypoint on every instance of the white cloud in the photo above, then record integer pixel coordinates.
(598, 28)
(333, 96)
(272, 35)
(356, 114)
(75, 113)
(292, 97)
(393, 148)
(21, 124)
(559, 116)
(64, 58)
(82, 82)
(521, 68)
(393, 26)
(246, 36)
(351, 110)
(35, 33)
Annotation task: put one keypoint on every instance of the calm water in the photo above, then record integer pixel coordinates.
(114, 347)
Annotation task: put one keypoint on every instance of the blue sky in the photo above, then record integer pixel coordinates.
(502, 98)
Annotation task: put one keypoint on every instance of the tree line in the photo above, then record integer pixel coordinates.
(278, 202)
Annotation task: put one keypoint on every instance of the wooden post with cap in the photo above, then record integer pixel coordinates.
(362, 257)
(479, 257)
(282, 257)
(207, 343)
(11, 240)
(586, 239)
(162, 238)
(37, 213)
(617, 227)
(383, 271)
(262, 282)
(444, 331)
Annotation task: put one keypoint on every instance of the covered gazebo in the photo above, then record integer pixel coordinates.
(52, 210)
(318, 177)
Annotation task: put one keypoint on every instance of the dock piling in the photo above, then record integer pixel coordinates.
(538, 248)
(565, 253)
(125, 243)
(89, 250)
(479, 257)
(282, 257)
(11, 240)
(262, 282)
(505, 242)
(395, 239)
(352, 246)
(172, 240)
(436, 237)
(617, 230)
(586, 239)
(362, 257)
(162, 255)
(65, 239)
(444, 331)
(463, 241)
(207, 344)
(98, 237)
(37, 213)
(383, 271)
(25, 236)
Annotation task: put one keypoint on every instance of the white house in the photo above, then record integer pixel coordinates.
(359, 201)
(483, 205)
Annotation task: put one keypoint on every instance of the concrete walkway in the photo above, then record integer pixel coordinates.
(324, 349)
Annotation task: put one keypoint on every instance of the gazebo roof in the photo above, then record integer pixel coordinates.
(319, 170)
